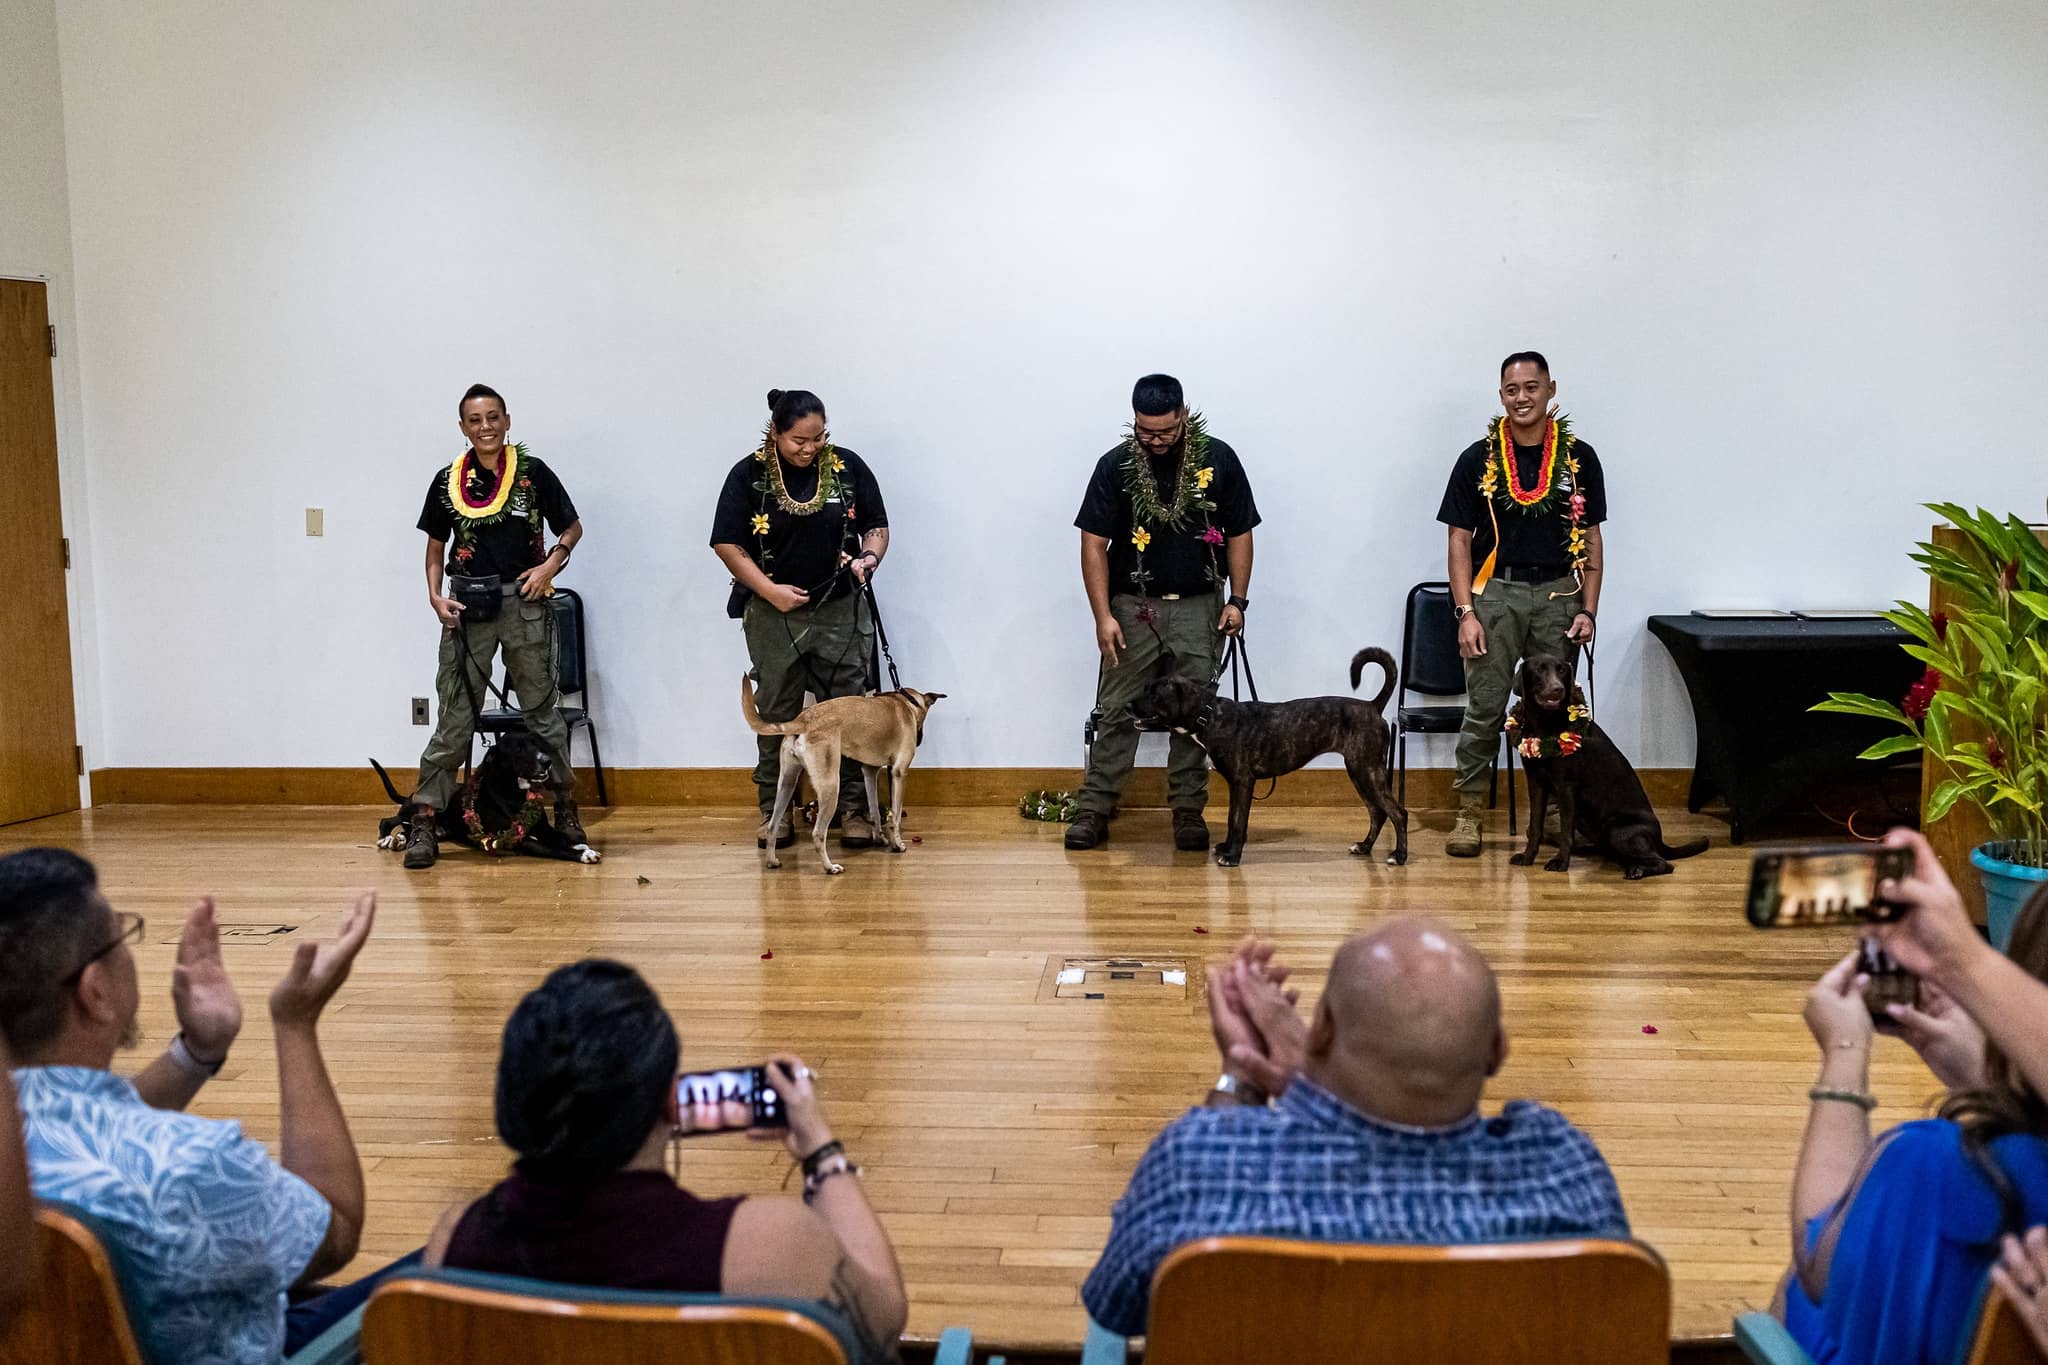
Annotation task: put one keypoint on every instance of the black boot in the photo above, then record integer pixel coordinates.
(1089, 830)
(422, 840)
(1190, 834)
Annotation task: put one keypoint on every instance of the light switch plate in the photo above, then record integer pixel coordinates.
(316, 521)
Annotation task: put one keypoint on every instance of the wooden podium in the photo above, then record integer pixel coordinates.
(1964, 827)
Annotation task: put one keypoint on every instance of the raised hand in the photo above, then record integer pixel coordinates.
(208, 1010)
(318, 969)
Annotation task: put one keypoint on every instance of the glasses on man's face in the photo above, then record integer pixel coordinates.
(128, 929)
(1161, 439)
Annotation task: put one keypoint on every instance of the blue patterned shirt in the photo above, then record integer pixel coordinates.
(210, 1231)
(1313, 1167)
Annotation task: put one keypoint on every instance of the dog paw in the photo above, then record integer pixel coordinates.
(1361, 849)
(395, 839)
(898, 848)
(1397, 859)
(1227, 859)
(1558, 864)
(771, 861)
(834, 869)
(586, 854)
(1520, 859)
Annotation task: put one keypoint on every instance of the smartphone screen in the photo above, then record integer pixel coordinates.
(1889, 984)
(731, 1100)
(1823, 884)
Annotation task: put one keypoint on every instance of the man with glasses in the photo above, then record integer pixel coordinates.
(209, 1229)
(1166, 527)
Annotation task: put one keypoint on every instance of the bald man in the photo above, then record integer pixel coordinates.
(1375, 1134)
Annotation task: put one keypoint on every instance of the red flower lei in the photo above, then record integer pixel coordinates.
(1504, 450)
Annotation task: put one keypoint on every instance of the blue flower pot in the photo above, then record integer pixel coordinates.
(2006, 888)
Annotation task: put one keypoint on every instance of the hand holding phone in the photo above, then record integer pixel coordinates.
(734, 1099)
(807, 1129)
(1825, 884)
(1884, 982)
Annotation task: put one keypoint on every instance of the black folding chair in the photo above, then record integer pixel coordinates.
(1430, 667)
(570, 654)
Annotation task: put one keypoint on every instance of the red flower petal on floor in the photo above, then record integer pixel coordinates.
(1649, 1028)
(765, 956)
(1200, 930)
(917, 838)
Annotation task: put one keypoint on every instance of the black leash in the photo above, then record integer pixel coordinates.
(1235, 654)
(867, 590)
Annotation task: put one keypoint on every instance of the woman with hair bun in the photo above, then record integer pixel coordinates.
(801, 527)
(586, 1097)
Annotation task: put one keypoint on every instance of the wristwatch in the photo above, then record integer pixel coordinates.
(1239, 602)
(1461, 610)
(1244, 1092)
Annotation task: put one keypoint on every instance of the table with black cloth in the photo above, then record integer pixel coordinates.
(1753, 681)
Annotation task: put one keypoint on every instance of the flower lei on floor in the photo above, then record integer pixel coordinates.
(1563, 744)
(1051, 807)
(505, 841)
(1190, 495)
(831, 483)
(510, 496)
(1556, 489)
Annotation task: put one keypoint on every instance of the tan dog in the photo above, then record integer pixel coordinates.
(876, 732)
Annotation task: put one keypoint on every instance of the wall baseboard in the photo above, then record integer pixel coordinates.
(1428, 788)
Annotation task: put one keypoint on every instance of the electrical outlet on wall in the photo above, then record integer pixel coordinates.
(420, 715)
(316, 521)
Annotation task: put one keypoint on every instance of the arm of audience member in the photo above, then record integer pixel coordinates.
(317, 1147)
(1837, 1132)
(1258, 1034)
(1936, 941)
(2023, 1278)
(17, 1220)
(864, 1284)
(208, 1010)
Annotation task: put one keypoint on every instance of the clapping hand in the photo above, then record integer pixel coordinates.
(318, 969)
(208, 1010)
(1252, 1015)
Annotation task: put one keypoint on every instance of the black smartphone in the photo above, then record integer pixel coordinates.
(1889, 984)
(730, 1100)
(1824, 884)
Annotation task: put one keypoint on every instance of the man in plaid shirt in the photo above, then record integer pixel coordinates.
(1375, 1134)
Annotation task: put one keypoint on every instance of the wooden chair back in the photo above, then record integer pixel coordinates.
(2002, 1338)
(1245, 1300)
(438, 1319)
(74, 1311)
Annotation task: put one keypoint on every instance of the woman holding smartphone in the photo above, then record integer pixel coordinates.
(1892, 1239)
(587, 1097)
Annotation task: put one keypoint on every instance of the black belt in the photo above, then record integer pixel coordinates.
(1532, 573)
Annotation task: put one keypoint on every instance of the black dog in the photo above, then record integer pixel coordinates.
(1248, 741)
(497, 794)
(1599, 797)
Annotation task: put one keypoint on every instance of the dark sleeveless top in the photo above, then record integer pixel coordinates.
(630, 1230)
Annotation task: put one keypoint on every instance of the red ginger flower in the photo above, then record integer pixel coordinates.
(1940, 622)
(1921, 695)
(2010, 577)
(1995, 752)
(1212, 535)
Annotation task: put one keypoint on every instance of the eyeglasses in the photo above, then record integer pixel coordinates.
(130, 931)
(1158, 438)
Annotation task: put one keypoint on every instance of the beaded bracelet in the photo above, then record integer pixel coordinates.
(1856, 1097)
(818, 1158)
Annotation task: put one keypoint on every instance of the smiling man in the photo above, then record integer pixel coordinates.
(1524, 505)
(483, 516)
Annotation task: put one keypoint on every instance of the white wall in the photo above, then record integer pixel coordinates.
(35, 243)
(1786, 259)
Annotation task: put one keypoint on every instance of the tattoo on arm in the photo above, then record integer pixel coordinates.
(843, 1299)
(876, 540)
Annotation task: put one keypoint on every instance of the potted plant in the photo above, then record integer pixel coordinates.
(1981, 709)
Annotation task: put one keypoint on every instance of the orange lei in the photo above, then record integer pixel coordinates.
(1504, 449)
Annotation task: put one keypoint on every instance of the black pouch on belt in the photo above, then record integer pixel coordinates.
(480, 596)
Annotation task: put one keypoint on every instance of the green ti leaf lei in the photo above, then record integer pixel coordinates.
(1190, 495)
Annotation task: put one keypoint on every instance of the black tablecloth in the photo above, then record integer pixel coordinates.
(1752, 682)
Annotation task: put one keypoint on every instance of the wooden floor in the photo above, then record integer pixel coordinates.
(997, 1124)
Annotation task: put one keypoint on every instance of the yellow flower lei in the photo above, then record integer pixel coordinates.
(458, 481)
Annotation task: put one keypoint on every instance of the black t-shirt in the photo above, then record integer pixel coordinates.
(509, 543)
(1177, 561)
(800, 551)
(1528, 538)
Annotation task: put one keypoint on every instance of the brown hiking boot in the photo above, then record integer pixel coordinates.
(422, 840)
(1464, 840)
(785, 833)
(569, 821)
(855, 831)
(1089, 830)
(1190, 833)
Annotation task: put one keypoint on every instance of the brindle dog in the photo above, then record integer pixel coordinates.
(1248, 741)
(515, 766)
(1602, 806)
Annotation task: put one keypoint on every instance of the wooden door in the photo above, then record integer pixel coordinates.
(38, 733)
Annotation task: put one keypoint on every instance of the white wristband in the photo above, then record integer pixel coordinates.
(181, 1056)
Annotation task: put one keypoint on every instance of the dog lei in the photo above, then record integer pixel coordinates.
(1563, 744)
(506, 841)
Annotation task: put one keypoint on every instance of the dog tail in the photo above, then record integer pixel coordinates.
(1373, 654)
(753, 715)
(385, 778)
(1685, 850)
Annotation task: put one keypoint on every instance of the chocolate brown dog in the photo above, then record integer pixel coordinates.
(1600, 799)
(1247, 741)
